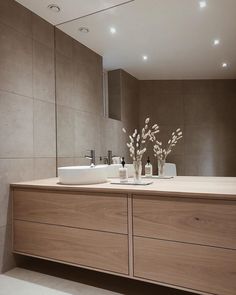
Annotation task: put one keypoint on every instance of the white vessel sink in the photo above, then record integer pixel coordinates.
(113, 170)
(83, 174)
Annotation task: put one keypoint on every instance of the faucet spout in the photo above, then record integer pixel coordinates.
(91, 157)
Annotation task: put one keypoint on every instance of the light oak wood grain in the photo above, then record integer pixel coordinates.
(181, 186)
(104, 212)
(207, 222)
(95, 226)
(202, 268)
(85, 247)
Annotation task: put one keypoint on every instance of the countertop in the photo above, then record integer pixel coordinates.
(181, 186)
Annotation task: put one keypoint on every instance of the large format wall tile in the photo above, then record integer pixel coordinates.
(130, 100)
(25, 122)
(16, 16)
(207, 164)
(43, 72)
(204, 109)
(227, 164)
(164, 108)
(64, 44)
(88, 77)
(7, 260)
(15, 61)
(44, 168)
(44, 129)
(43, 32)
(63, 162)
(111, 134)
(65, 81)
(201, 140)
(87, 133)
(16, 121)
(65, 132)
(12, 170)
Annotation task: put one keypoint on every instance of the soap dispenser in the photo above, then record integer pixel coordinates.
(123, 172)
(148, 168)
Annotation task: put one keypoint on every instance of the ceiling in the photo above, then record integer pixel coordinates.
(176, 35)
(70, 9)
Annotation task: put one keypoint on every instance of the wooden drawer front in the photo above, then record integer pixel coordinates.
(201, 268)
(101, 250)
(89, 211)
(206, 222)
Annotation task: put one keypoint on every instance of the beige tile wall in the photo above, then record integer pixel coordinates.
(81, 125)
(27, 108)
(205, 111)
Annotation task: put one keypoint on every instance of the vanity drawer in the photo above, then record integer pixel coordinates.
(206, 222)
(107, 251)
(106, 212)
(196, 267)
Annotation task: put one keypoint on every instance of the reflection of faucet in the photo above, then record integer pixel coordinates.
(108, 159)
(91, 157)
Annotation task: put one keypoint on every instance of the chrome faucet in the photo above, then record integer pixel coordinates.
(91, 157)
(109, 157)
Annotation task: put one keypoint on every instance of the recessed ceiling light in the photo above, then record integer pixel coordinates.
(216, 42)
(145, 57)
(84, 30)
(202, 4)
(113, 30)
(224, 65)
(54, 8)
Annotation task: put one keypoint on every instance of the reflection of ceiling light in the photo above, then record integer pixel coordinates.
(84, 30)
(113, 30)
(145, 57)
(216, 42)
(202, 4)
(224, 65)
(54, 7)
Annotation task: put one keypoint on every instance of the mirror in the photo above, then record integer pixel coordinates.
(172, 61)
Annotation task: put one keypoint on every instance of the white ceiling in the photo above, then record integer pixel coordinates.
(70, 9)
(176, 35)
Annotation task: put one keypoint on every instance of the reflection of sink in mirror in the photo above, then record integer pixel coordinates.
(83, 174)
(113, 170)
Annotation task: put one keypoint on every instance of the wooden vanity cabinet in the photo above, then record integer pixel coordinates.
(191, 220)
(86, 229)
(186, 242)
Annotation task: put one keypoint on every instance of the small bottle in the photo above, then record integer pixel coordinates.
(123, 172)
(148, 168)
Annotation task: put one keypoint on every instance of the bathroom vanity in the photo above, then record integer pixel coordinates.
(179, 233)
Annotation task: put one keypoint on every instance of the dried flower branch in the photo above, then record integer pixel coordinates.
(162, 153)
(137, 141)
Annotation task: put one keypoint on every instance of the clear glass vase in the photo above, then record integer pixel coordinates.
(137, 171)
(161, 164)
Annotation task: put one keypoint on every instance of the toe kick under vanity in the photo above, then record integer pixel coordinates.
(179, 233)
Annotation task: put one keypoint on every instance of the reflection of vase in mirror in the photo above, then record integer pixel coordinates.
(161, 165)
(137, 171)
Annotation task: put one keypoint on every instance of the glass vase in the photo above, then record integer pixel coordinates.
(137, 171)
(161, 164)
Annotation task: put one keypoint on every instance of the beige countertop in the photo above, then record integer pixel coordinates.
(181, 186)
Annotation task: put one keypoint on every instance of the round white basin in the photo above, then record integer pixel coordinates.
(82, 174)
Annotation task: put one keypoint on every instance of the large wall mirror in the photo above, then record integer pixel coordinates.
(172, 61)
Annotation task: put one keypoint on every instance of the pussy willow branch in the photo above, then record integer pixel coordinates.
(161, 153)
(137, 144)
